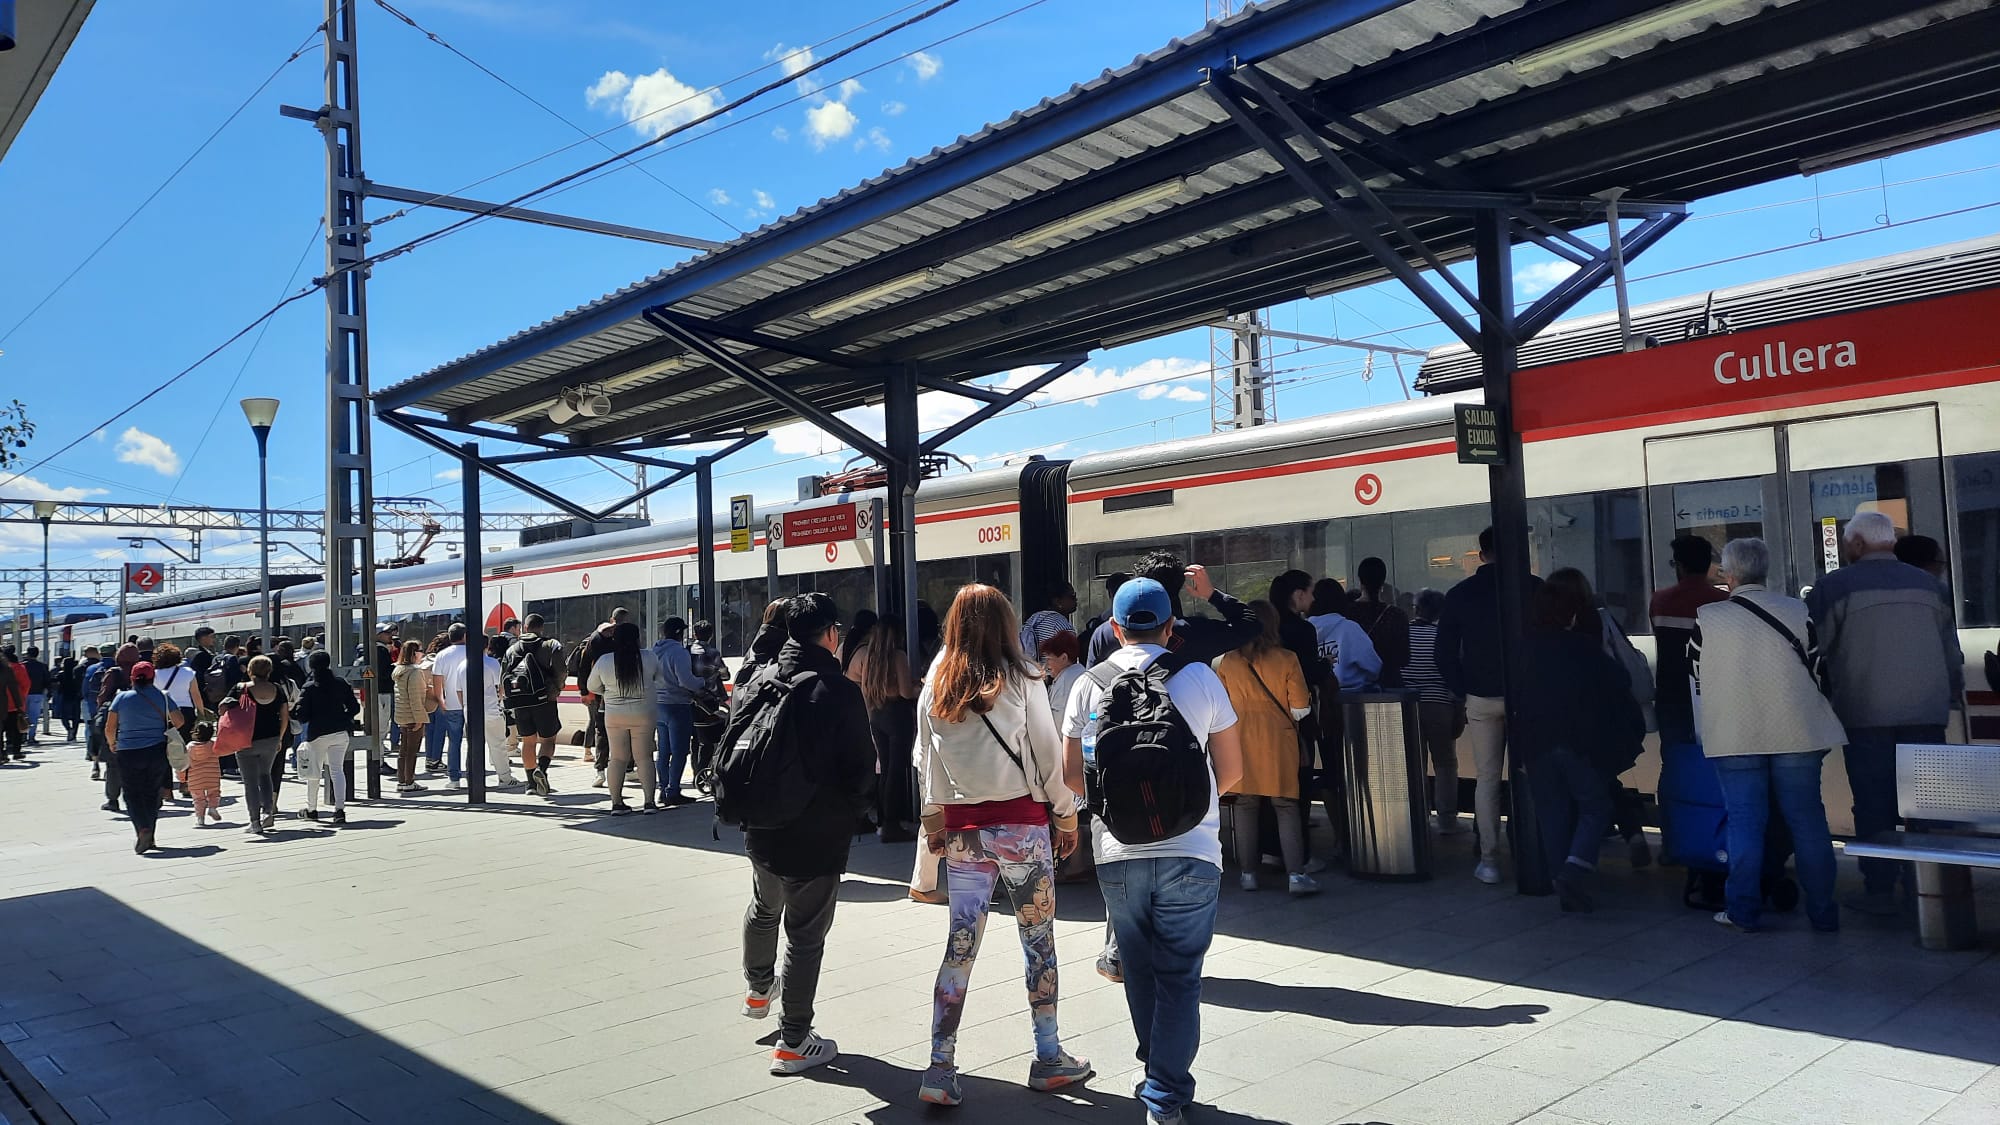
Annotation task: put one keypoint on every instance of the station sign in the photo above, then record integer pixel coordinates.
(1481, 434)
(820, 525)
(742, 510)
(144, 578)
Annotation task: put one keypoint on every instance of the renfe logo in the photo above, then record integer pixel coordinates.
(1783, 359)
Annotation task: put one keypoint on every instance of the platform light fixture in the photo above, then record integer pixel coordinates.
(1107, 210)
(896, 285)
(1558, 55)
(616, 382)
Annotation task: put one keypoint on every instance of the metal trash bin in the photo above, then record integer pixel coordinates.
(1388, 828)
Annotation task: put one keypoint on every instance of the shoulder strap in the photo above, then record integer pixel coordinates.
(1774, 623)
(1033, 783)
(1269, 694)
(1103, 673)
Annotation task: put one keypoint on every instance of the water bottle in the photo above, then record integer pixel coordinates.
(1090, 741)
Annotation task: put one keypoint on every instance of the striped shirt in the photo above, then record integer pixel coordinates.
(1421, 672)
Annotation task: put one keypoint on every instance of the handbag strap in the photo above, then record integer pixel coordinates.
(1271, 695)
(1033, 783)
(1774, 623)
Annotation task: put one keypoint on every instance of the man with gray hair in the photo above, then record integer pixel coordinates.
(1894, 672)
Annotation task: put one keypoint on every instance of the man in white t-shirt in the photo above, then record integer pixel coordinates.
(1160, 897)
(498, 755)
(448, 673)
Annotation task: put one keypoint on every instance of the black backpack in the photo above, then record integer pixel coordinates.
(215, 683)
(1150, 780)
(760, 775)
(524, 682)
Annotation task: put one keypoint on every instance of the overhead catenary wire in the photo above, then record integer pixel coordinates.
(163, 184)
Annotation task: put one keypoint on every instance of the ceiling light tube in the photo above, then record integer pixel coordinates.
(1557, 55)
(907, 281)
(1099, 213)
(515, 415)
(664, 367)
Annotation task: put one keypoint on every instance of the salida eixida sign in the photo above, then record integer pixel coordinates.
(1479, 434)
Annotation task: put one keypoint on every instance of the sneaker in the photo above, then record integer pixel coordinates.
(340, 816)
(599, 783)
(310, 814)
(1109, 968)
(648, 810)
(940, 1086)
(1302, 885)
(1271, 861)
(110, 806)
(932, 898)
(1053, 1074)
(797, 1058)
(1487, 872)
(1722, 918)
(1315, 865)
(1174, 1118)
(538, 782)
(621, 809)
(412, 787)
(1247, 881)
(1571, 893)
(757, 1005)
(435, 765)
(1642, 851)
(509, 784)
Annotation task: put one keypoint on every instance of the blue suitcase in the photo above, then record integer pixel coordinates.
(1695, 827)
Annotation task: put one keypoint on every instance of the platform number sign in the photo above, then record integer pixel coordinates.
(144, 578)
(742, 510)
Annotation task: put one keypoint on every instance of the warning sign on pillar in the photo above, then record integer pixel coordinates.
(820, 525)
(144, 578)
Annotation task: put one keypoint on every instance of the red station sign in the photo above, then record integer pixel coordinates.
(820, 525)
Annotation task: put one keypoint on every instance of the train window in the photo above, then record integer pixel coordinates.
(851, 590)
(1132, 502)
(1977, 574)
(1719, 510)
(1436, 548)
(996, 571)
(1243, 563)
(743, 605)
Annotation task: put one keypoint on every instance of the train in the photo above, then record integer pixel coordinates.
(1776, 410)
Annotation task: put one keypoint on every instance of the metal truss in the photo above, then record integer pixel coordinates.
(1352, 158)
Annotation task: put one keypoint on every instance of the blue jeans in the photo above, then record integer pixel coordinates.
(676, 729)
(35, 705)
(1163, 911)
(1573, 805)
(1871, 774)
(1750, 782)
(444, 735)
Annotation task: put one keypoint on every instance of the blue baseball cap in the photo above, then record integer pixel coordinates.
(1142, 604)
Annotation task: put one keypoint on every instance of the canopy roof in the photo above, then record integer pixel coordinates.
(1139, 203)
(42, 33)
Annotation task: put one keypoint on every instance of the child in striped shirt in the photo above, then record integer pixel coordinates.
(204, 774)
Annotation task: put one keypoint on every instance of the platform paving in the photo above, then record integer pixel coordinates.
(541, 962)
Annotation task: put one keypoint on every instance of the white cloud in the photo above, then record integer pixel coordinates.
(28, 488)
(828, 122)
(653, 103)
(451, 474)
(98, 434)
(719, 197)
(875, 137)
(763, 200)
(108, 554)
(849, 87)
(926, 65)
(1540, 277)
(1088, 384)
(893, 109)
(792, 61)
(780, 133)
(137, 447)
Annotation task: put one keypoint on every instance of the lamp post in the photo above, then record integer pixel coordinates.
(45, 511)
(261, 412)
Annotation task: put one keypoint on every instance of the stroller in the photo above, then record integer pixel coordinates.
(711, 715)
(1694, 824)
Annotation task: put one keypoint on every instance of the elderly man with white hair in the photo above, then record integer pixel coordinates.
(1894, 672)
(1763, 723)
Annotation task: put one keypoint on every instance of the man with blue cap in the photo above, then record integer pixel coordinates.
(1160, 894)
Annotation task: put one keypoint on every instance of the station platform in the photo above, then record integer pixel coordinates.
(537, 961)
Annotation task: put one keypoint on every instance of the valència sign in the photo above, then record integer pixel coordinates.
(1480, 434)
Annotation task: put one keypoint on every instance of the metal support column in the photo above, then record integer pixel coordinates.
(704, 538)
(476, 687)
(1498, 355)
(350, 537)
(899, 421)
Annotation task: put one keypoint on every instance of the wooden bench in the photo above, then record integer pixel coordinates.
(1945, 917)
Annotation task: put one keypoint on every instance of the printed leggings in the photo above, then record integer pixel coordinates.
(1018, 856)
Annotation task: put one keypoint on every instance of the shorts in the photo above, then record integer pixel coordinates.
(539, 721)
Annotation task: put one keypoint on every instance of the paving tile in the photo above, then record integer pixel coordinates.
(1835, 1095)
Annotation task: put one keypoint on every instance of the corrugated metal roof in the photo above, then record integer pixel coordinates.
(1675, 114)
(1957, 267)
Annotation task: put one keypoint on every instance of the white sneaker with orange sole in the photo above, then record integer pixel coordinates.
(757, 1005)
(797, 1058)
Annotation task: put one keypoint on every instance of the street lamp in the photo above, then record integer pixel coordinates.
(261, 412)
(45, 510)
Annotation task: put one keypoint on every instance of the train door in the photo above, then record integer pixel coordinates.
(512, 602)
(666, 596)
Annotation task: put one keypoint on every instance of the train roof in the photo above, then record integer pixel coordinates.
(1935, 271)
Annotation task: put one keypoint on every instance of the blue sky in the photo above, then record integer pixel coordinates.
(145, 83)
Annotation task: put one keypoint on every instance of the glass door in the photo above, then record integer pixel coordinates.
(1718, 486)
(1884, 462)
(666, 596)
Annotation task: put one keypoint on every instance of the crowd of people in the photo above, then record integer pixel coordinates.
(1017, 753)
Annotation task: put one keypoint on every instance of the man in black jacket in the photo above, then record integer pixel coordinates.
(1197, 639)
(1473, 663)
(797, 868)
